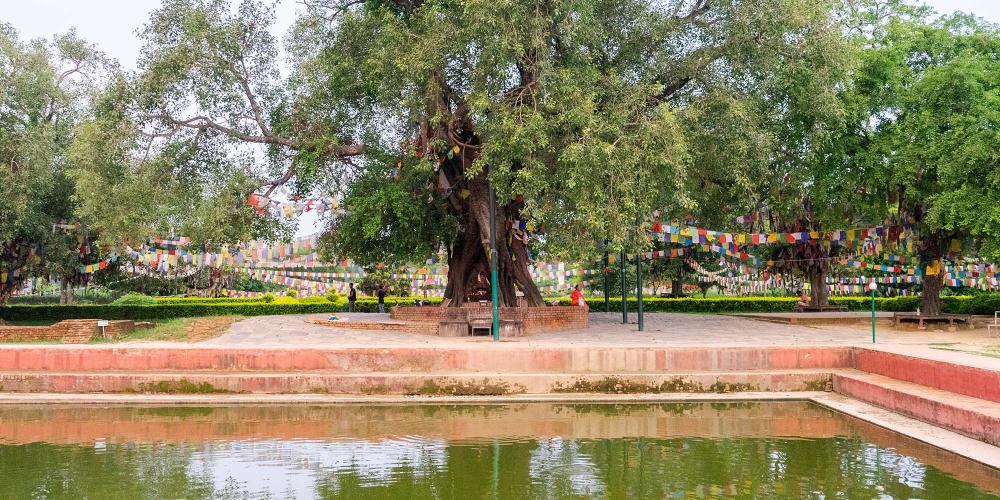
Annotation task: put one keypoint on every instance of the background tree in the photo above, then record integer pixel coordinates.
(919, 142)
(46, 86)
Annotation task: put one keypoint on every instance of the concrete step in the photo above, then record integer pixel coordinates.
(431, 383)
(487, 357)
(976, 418)
(960, 373)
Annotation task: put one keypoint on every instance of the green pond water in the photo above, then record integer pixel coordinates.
(517, 451)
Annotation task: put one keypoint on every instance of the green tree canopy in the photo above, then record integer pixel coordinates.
(584, 117)
(46, 86)
(919, 144)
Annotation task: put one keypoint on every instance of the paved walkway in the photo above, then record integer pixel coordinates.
(606, 329)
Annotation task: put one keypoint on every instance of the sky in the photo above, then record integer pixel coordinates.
(112, 24)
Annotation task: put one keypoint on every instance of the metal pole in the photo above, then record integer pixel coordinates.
(638, 286)
(638, 272)
(493, 261)
(624, 292)
(873, 311)
(607, 299)
(496, 469)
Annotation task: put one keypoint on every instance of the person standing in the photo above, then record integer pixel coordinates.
(381, 297)
(577, 297)
(352, 298)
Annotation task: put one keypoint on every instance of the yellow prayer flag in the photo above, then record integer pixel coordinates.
(933, 268)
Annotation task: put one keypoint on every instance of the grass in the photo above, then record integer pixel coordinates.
(990, 351)
(178, 330)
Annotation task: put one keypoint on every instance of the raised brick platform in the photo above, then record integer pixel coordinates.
(393, 326)
(533, 319)
(72, 331)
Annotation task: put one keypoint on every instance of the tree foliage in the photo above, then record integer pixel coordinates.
(45, 86)
(918, 142)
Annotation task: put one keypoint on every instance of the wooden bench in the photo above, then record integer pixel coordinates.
(480, 318)
(453, 323)
(920, 319)
(826, 308)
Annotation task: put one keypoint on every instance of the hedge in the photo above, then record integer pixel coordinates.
(981, 304)
(238, 307)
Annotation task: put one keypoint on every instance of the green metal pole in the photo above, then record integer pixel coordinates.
(624, 292)
(493, 262)
(607, 299)
(638, 287)
(496, 469)
(873, 314)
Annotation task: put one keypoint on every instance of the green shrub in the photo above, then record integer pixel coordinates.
(980, 304)
(314, 300)
(205, 300)
(762, 304)
(134, 299)
(268, 297)
(238, 307)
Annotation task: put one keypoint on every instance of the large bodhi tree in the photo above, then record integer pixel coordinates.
(574, 112)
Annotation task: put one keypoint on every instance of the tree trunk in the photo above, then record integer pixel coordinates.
(677, 287)
(930, 291)
(819, 292)
(65, 292)
(469, 200)
(930, 296)
(469, 255)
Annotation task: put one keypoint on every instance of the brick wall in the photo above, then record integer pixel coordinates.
(535, 319)
(555, 318)
(417, 314)
(73, 331)
(29, 333)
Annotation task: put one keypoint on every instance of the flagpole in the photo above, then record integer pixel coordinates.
(624, 291)
(493, 260)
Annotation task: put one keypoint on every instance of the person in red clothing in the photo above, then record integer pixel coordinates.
(577, 297)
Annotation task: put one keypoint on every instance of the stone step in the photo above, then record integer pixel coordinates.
(960, 373)
(431, 383)
(486, 357)
(976, 418)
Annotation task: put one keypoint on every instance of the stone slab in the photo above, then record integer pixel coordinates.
(972, 417)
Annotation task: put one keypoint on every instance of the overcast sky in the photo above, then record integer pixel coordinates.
(111, 24)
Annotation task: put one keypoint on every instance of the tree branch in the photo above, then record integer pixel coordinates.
(317, 6)
(205, 123)
(699, 60)
(243, 79)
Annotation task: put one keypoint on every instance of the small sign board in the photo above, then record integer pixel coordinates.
(102, 322)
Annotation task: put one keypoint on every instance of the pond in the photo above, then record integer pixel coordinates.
(516, 451)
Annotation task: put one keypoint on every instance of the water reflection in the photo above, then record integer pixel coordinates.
(774, 450)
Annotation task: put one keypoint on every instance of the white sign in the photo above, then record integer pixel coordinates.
(102, 322)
